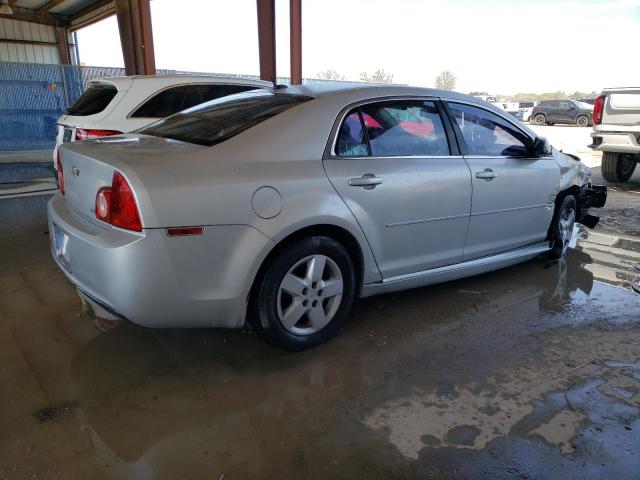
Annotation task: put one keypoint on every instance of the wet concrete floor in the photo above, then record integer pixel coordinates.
(532, 372)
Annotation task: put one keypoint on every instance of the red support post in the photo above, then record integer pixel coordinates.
(136, 36)
(63, 45)
(295, 13)
(267, 39)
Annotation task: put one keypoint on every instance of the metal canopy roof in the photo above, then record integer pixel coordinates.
(66, 13)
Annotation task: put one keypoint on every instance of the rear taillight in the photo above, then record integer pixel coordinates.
(60, 172)
(117, 205)
(87, 133)
(598, 107)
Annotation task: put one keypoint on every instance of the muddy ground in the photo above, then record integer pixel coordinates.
(532, 372)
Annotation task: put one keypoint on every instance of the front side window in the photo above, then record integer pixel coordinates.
(216, 121)
(393, 128)
(487, 134)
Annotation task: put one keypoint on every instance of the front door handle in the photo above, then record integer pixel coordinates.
(367, 181)
(487, 174)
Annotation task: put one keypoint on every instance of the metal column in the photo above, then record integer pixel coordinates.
(136, 36)
(267, 39)
(295, 24)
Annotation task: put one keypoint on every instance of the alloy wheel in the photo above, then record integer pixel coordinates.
(566, 223)
(309, 295)
(583, 121)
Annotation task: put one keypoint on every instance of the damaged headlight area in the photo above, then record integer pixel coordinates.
(590, 196)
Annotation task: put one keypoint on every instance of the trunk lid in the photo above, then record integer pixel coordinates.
(89, 166)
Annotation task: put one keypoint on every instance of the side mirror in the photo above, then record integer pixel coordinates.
(541, 147)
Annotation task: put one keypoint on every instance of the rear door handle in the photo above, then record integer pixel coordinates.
(367, 181)
(487, 174)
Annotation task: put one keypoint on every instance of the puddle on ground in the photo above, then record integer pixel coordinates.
(531, 371)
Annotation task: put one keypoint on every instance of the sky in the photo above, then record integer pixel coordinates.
(495, 46)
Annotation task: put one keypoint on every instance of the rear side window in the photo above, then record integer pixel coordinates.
(351, 141)
(212, 92)
(163, 104)
(395, 128)
(214, 122)
(176, 99)
(94, 100)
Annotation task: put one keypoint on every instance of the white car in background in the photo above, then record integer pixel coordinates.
(525, 109)
(110, 106)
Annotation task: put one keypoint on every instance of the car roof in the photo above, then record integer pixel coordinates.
(166, 80)
(343, 95)
(358, 90)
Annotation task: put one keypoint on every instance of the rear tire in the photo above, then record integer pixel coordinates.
(304, 295)
(539, 119)
(582, 121)
(561, 230)
(618, 167)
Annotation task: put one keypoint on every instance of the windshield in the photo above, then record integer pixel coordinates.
(218, 120)
(94, 100)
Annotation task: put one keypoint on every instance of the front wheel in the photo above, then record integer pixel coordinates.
(305, 294)
(562, 226)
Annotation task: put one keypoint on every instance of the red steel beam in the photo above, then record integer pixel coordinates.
(63, 45)
(136, 36)
(295, 42)
(146, 32)
(267, 39)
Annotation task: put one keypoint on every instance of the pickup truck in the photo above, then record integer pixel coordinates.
(616, 132)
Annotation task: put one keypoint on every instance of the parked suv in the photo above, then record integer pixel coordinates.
(616, 132)
(110, 106)
(562, 111)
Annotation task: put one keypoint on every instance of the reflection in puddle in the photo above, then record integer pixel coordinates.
(423, 369)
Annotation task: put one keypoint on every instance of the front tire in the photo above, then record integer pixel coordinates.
(561, 230)
(617, 167)
(304, 295)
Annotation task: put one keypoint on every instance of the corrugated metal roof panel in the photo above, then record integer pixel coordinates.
(67, 7)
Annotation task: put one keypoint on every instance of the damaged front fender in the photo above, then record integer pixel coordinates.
(574, 177)
(572, 171)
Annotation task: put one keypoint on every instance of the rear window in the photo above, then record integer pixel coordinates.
(94, 100)
(216, 121)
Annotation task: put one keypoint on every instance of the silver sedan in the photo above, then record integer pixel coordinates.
(277, 208)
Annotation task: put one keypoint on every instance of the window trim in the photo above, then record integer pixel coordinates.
(330, 148)
(157, 92)
(460, 137)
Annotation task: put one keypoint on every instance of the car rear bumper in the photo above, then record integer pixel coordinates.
(617, 142)
(158, 281)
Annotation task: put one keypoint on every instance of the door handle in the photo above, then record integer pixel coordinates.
(367, 181)
(487, 174)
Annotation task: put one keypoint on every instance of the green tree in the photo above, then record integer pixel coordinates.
(446, 80)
